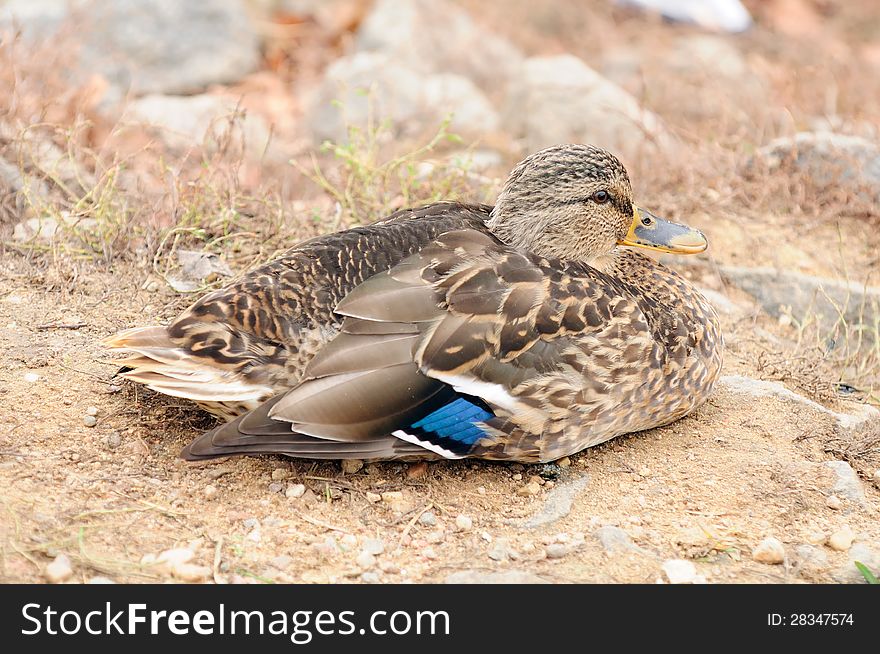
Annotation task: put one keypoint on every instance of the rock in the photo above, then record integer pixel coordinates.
(149, 46)
(295, 491)
(614, 539)
(849, 573)
(810, 559)
(280, 474)
(848, 483)
(366, 560)
(169, 559)
(282, 561)
(463, 522)
(372, 498)
(719, 15)
(842, 539)
(59, 570)
(351, 466)
(31, 377)
(183, 122)
(92, 411)
(197, 269)
(876, 477)
(502, 577)
(191, 572)
(100, 581)
(558, 501)
(374, 546)
(827, 162)
(428, 519)
(369, 87)
(532, 488)
(392, 497)
(559, 99)
(833, 502)
(436, 36)
(276, 487)
(210, 492)
(679, 571)
(41, 229)
(556, 551)
(770, 550)
(90, 421)
(760, 388)
(499, 551)
(370, 577)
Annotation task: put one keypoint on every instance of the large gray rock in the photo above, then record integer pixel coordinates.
(196, 120)
(560, 99)
(828, 162)
(148, 46)
(370, 86)
(434, 36)
(779, 291)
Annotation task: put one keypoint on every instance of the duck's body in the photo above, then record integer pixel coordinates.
(430, 335)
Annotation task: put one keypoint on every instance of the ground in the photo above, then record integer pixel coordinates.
(89, 471)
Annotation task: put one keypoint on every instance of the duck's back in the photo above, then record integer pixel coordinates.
(240, 344)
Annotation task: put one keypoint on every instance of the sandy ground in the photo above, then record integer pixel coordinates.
(114, 496)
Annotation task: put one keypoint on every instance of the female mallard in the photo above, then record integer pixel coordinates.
(522, 332)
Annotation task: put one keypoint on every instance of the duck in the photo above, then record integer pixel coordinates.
(526, 331)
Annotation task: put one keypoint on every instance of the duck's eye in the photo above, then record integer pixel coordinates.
(601, 197)
(646, 220)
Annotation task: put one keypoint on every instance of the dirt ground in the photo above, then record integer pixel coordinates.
(89, 466)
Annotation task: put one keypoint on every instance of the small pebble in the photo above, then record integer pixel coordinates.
(876, 477)
(389, 497)
(295, 491)
(365, 560)
(372, 498)
(388, 567)
(255, 536)
(417, 470)
(276, 487)
(770, 551)
(191, 572)
(210, 491)
(464, 522)
(151, 286)
(428, 519)
(348, 541)
(564, 462)
(113, 440)
(429, 553)
(532, 488)
(90, 421)
(556, 551)
(436, 536)
(679, 571)
(59, 570)
(842, 539)
(481, 490)
(92, 411)
(517, 477)
(374, 546)
(370, 578)
(250, 523)
(833, 502)
(31, 377)
(351, 466)
(101, 581)
(280, 474)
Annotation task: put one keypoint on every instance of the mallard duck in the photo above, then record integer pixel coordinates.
(526, 331)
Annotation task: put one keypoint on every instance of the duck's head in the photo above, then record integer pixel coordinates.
(575, 202)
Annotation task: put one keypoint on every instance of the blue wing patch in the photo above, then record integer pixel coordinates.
(453, 426)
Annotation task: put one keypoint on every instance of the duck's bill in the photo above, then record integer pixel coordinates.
(653, 233)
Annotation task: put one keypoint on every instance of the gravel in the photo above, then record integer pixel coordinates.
(556, 551)
(679, 571)
(295, 491)
(428, 519)
(614, 539)
(280, 474)
(210, 491)
(92, 411)
(532, 488)
(351, 466)
(90, 421)
(374, 546)
(833, 502)
(464, 522)
(770, 551)
(842, 539)
(365, 560)
(59, 570)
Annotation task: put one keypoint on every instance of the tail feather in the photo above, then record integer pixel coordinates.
(164, 366)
